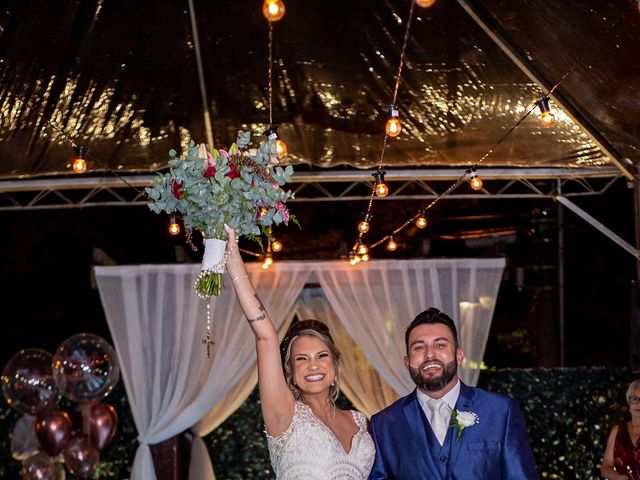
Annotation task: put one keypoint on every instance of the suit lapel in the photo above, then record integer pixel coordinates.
(464, 403)
(413, 414)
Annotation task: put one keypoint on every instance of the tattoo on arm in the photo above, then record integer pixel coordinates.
(261, 308)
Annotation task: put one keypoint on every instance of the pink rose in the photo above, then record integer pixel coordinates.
(176, 189)
(283, 211)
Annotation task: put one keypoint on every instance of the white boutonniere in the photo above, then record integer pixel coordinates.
(462, 420)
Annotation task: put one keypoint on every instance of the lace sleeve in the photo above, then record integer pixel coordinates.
(361, 420)
(276, 443)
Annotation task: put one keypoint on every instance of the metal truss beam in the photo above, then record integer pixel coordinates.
(327, 186)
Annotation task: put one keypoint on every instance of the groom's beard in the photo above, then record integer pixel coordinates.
(434, 384)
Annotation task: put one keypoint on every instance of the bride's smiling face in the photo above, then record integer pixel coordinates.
(312, 365)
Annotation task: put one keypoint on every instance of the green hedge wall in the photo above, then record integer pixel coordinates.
(569, 413)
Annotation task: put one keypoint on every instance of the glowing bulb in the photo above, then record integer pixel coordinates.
(273, 10)
(353, 260)
(362, 249)
(174, 226)
(393, 127)
(382, 190)
(547, 119)
(276, 245)
(365, 257)
(281, 148)
(79, 165)
(363, 226)
(425, 3)
(392, 246)
(421, 222)
(357, 259)
(475, 180)
(268, 261)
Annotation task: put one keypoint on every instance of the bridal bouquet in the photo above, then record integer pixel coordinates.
(233, 187)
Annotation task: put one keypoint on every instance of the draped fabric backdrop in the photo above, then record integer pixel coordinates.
(157, 323)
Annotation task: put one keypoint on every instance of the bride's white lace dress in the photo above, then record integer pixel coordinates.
(308, 450)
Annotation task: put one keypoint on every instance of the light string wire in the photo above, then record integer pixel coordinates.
(588, 53)
(395, 96)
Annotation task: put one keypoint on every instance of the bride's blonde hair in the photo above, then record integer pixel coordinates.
(317, 329)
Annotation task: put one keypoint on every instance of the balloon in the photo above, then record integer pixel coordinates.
(42, 467)
(85, 367)
(103, 423)
(53, 430)
(24, 442)
(27, 381)
(80, 457)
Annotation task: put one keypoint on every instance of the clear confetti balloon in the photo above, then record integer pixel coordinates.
(42, 467)
(24, 442)
(27, 382)
(85, 368)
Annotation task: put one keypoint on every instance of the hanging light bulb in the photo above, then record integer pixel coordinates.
(425, 3)
(273, 10)
(421, 222)
(352, 258)
(474, 179)
(394, 126)
(546, 117)
(272, 134)
(392, 246)
(80, 164)
(174, 226)
(276, 245)
(381, 188)
(365, 257)
(363, 226)
(268, 261)
(362, 248)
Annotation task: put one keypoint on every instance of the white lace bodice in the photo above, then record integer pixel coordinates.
(308, 450)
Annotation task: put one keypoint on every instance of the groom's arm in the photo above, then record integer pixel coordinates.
(379, 471)
(517, 460)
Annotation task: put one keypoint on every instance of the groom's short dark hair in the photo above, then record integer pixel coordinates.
(430, 316)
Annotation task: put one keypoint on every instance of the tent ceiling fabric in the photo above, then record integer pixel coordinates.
(121, 79)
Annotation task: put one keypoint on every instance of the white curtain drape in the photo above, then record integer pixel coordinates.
(157, 322)
(376, 301)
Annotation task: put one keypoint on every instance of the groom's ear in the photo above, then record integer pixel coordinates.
(406, 362)
(459, 355)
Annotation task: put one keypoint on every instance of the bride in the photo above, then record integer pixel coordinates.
(308, 436)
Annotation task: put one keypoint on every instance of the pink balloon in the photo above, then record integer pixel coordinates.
(38, 467)
(80, 457)
(85, 368)
(103, 423)
(53, 430)
(27, 381)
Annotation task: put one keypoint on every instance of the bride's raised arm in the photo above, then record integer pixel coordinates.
(276, 399)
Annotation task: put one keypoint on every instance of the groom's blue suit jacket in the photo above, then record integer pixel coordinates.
(495, 448)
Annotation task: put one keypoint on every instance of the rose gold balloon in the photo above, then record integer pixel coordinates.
(103, 423)
(53, 430)
(80, 457)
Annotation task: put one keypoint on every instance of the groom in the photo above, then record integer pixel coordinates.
(445, 429)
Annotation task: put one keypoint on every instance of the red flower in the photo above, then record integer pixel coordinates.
(176, 189)
(233, 173)
(209, 172)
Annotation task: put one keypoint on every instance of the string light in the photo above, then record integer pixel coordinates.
(362, 248)
(381, 188)
(276, 245)
(392, 246)
(268, 261)
(421, 222)
(546, 117)
(425, 3)
(363, 226)
(273, 10)
(364, 257)
(174, 226)
(80, 164)
(272, 134)
(474, 179)
(394, 126)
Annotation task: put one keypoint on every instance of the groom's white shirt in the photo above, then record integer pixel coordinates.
(451, 398)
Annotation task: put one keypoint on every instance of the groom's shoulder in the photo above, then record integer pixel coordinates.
(393, 409)
(497, 399)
